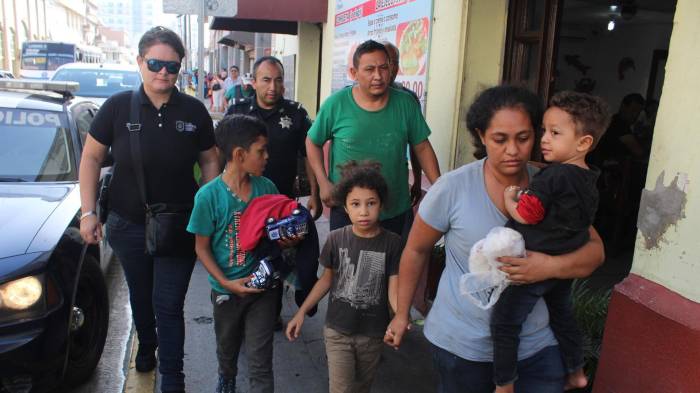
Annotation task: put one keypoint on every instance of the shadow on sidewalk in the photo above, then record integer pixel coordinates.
(300, 366)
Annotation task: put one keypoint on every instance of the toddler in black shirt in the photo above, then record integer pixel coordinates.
(554, 215)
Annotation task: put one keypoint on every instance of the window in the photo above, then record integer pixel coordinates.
(530, 40)
(40, 150)
(83, 115)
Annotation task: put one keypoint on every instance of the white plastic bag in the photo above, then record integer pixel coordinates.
(484, 283)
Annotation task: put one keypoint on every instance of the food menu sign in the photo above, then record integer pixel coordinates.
(405, 23)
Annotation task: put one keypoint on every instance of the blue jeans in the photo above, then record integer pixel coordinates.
(541, 373)
(157, 289)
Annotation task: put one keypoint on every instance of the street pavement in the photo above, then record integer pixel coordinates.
(110, 375)
(299, 366)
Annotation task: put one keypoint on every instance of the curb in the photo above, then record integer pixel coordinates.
(137, 382)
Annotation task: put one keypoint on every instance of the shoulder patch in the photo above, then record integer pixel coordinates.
(294, 104)
(241, 101)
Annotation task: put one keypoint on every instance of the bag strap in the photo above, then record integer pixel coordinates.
(134, 127)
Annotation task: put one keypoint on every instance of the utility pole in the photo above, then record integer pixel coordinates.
(200, 49)
(201, 8)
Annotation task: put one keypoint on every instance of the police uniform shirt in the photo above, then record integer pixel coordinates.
(287, 125)
(172, 138)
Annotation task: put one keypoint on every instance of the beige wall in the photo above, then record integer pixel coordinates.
(668, 249)
(327, 52)
(483, 64)
(307, 64)
(445, 76)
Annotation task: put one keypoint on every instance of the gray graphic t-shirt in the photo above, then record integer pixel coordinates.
(358, 302)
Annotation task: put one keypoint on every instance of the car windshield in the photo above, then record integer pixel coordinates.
(99, 83)
(36, 147)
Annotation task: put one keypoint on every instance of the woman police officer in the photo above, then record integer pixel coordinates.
(176, 132)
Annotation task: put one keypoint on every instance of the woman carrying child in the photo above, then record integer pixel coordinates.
(553, 214)
(463, 206)
(361, 266)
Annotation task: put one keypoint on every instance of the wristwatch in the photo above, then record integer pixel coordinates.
(86, 214)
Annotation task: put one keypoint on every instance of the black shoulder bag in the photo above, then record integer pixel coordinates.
(166, 223)
(103, 198)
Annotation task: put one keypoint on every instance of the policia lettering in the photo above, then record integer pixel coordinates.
(17, 117)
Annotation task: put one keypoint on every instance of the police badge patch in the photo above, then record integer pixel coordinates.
(181, 126)
(285, 122)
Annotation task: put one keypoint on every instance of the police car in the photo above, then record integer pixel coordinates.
(54, 309)
(99, 81)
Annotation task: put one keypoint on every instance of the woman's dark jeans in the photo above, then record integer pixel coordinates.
(157, 289)
(541, 373)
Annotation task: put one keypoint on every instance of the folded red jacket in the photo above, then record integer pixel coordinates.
(530, 208)
(256, 214)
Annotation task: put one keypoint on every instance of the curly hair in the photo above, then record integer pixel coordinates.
(493, 99)
(365, 174)
(590, 113)
(238, 131)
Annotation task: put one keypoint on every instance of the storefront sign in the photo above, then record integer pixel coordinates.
(405, 23)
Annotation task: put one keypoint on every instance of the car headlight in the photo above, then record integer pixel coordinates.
(21, 294)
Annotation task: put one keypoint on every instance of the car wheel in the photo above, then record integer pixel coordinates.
(88, 323)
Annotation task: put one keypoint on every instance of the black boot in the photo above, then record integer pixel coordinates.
(145, 358)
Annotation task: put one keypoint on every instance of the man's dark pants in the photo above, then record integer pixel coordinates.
(157, 289)
(248, 319)
(509, 314)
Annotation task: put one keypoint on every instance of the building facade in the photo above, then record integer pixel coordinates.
(652, 335)
(131, 16)
(60, 20)
(21, 21)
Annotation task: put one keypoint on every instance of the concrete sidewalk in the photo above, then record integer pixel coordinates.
(299, 366)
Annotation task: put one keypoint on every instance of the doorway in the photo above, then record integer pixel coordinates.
(615, 49)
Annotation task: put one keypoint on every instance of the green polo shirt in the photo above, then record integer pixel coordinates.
(382, 135)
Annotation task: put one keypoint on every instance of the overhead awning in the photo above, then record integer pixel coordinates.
(243, 38)
(254, 25)
(268, 16)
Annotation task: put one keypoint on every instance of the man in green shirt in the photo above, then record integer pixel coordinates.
(371, 121)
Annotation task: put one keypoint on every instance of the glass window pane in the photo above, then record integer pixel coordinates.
(529, 72)
(535, 15)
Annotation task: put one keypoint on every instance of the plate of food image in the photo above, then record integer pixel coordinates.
(412, 41)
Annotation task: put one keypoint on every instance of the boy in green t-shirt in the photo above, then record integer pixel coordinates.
(241, 314)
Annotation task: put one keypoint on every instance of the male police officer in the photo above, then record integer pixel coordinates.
(287, 123)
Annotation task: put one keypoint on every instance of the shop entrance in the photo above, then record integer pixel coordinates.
(613, 49)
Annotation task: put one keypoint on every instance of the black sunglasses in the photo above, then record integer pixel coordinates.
(173, 67)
